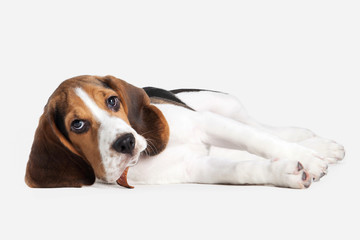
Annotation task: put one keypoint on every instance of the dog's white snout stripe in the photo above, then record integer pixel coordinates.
(101, 116)
(98, 113)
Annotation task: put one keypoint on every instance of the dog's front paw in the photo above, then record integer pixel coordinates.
(311, 160)
(331, 151)
(290, 174)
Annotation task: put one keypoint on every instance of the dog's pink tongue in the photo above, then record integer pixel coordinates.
(122, 181)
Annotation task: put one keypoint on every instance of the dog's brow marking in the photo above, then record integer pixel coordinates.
(98, 113)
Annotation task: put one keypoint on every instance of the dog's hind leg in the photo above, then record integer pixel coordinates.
(229, 106)
(216, 130)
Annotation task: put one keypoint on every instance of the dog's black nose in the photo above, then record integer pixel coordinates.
(125, 144)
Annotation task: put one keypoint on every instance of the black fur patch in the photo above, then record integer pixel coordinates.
(176, 91)
(104, 84)
(165, 95)
(59, 116)
(60, 124)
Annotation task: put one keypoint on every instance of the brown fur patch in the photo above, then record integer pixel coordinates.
(53, 162)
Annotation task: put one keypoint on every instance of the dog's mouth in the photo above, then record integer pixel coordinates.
(122, 180)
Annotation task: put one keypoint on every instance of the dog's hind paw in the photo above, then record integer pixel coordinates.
(331, 151)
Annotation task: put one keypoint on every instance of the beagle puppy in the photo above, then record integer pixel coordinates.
(105, 129)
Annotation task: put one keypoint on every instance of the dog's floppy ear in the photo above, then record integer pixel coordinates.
(53, 161)
(146, 119)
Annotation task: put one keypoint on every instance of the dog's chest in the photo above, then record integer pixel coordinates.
(184, 145)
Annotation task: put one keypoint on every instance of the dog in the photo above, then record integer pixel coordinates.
(104, 129)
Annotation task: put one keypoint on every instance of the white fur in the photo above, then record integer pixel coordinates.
(200, 143)
(110, 129)
(188, 156)
(221, 122)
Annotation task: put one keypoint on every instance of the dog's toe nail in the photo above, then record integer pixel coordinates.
(300, 166)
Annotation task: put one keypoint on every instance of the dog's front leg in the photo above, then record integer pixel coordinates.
(227, 133)
(279, 173)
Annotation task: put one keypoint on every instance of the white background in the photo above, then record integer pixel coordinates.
(290, 62)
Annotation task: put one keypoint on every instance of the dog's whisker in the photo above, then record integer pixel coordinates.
(152, 145)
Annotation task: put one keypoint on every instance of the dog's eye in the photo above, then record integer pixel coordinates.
(113, 103)
(79, 126)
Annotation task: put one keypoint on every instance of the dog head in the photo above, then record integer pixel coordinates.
(93, 127)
